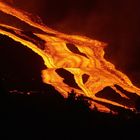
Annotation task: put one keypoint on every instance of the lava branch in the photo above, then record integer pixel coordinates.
(89, 60)
(25, 17)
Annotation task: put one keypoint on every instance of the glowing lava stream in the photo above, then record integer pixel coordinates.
(88, 60)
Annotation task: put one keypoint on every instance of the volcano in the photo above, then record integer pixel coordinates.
(60, 76)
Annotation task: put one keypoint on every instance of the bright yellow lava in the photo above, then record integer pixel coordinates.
(89, 60)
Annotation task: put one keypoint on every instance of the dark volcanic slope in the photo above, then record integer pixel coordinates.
(44, 107)
(45, 112)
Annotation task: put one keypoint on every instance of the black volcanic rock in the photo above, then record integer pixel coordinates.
(45, 107)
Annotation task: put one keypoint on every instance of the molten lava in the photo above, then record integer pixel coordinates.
(78, 56)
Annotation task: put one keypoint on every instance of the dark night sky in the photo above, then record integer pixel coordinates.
(114, 22)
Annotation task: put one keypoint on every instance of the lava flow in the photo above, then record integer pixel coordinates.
(64, 55)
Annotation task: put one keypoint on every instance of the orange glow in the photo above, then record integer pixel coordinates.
(59, 54)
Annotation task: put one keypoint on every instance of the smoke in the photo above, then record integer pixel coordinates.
(8, 1)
